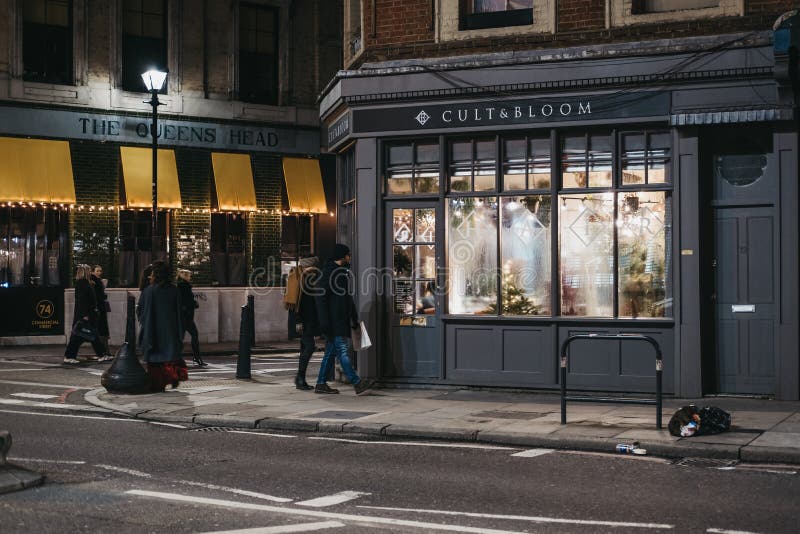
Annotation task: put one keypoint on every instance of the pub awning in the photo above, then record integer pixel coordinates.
(233, 176)
(36, 170)
(137, 172)
(304, 185)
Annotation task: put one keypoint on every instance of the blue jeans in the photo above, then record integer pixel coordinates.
(338, 347)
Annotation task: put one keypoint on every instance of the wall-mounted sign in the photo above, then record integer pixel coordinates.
(492, 113)
(31, 311)
(95, 126)
(339, 130)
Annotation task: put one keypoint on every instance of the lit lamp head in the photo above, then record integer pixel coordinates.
(154, 79)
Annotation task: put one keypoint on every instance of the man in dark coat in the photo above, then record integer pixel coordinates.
(102, 311)
(337, 316)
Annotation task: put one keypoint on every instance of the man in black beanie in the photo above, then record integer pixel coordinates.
(337, 316)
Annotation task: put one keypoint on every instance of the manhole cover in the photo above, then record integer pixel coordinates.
(334, 414)
(708, 463)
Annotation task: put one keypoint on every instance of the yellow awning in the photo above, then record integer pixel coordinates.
(304, 185)
(234, 178)
(36, 170)
(137, 171)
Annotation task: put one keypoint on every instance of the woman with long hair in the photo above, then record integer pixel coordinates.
(162, 331)
(85, 310)
(188, 305)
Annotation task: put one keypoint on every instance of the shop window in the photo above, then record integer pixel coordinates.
(228, 238)
(144, 41)
(412, 168)
(31, 241)
(296, 236)
(526, 164)
(136, 244)
(586, 160)
(645, 157)
(346, 213)
(47, 41)
(660, 6)
(414, 260)
(258, 54)
(472, 165)
(480, 14)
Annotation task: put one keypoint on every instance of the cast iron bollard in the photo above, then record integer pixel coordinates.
(251, 302)
(243, 363)
(126, 374)
(634, 337)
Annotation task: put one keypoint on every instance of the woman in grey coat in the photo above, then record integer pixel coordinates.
(162, 331)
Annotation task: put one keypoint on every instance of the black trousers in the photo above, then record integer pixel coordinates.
(75, 343)
(191, 328)
(307, 346)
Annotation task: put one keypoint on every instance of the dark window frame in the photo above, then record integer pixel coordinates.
(42, 43)
(220, 247)
(135, 237)
(133, 60)
(39, 226)
(254, 86)
(468, 20)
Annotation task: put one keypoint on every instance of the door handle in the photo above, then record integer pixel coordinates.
(743, 308)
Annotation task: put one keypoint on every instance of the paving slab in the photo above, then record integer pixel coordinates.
(787, 440)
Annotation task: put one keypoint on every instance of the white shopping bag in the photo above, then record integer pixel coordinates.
(361, 337)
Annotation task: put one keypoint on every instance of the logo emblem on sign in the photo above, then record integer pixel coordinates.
(45, 309)
(422, 117)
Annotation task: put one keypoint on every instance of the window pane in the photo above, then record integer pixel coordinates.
(427, 153)
(427, 182)
(460, 180)
(153, 6)
(633, 172)
(399, 183)
(540, 147)
(400, 155)
(472, 255)
(402, 226)
(426, 261)
(657, 172)
(153, 26)
(573, 172)
(540, 177)
(425, 223)
(525, 247)
(660, 143)
(132, 24)
(403, 260)
(600, 174)
(633, 145)
(643, 220)
(403, 296)
(485, 151)
(484, 179)
(34, 11)
(514, 150)
(58, 13)
(586, 240)
(461, 151)
(514, 178)
(426, 301)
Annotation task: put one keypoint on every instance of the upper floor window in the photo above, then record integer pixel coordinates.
(144, 40)
(479, 14)
(47, 41)
(660, 6)
(258, 54)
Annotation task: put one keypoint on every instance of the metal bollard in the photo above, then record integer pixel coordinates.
(130, 324)
(243, 363)
(126, 374)
(251, 302)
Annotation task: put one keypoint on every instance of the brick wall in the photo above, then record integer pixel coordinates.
(190, 230)
(576, 15)
(93, 234)
(264, 229)
(776, 7)
(398, 21)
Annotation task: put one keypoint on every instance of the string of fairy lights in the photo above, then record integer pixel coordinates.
(115, 208)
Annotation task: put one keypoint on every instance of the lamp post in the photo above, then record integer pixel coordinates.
(154, 81)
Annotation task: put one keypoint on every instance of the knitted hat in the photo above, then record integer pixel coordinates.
(340, 251)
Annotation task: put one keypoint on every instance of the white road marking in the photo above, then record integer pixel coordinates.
(420, 444)
(330, 500)
(533, 453)
(723, 531)
(58, 405)
(34, 396)
(13, 401)
(94, 372)
(534, 519)
(132, 472)
(167, 424)
(265, 434)
(27, 370)
(41, 460)
(317, 513)
(41, 364)
(758, 469)
(237, 491)
(76, 416)
(44, 385)
(303, 527)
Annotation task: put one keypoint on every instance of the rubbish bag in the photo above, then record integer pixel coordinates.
(714, 420)
(691, 421)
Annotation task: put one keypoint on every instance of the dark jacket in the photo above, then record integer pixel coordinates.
(335, 306)
(85, 301)
(188, 302)
(307, 315)
(162, 330)
(101, 298)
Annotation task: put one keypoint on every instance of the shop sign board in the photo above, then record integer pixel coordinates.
(31, 311)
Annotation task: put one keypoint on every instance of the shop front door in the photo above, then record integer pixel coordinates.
(413, 304)
(745, 299)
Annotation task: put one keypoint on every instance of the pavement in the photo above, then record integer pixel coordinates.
(763, 430)
(12, 477)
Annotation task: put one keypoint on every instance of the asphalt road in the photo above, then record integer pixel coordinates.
(111, 474)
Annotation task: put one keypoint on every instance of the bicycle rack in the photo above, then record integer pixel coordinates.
(604, 400)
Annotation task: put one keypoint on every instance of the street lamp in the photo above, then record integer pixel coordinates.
(154, 81)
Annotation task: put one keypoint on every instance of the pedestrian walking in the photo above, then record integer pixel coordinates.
(337, 316)
(188, 305)
(84, 316)
(103, 308)
(162, 333)
(145, 279)
(306, 315)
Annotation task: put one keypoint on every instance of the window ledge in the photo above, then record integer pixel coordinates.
(46, 92)
(621, 13)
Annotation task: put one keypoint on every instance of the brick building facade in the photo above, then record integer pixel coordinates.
(536, 169)
(243, 78)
